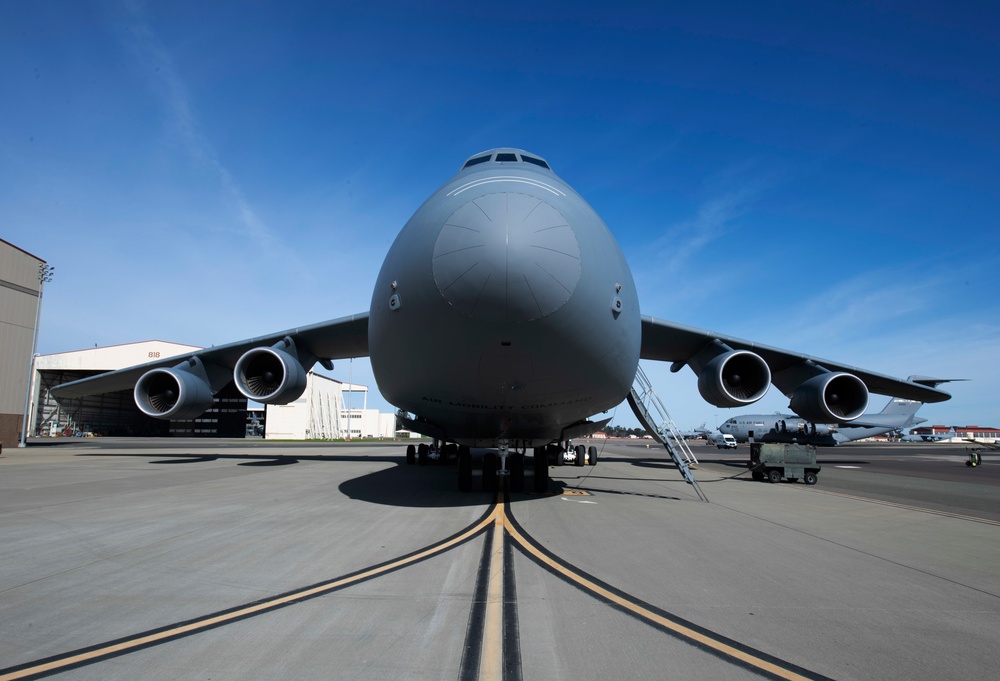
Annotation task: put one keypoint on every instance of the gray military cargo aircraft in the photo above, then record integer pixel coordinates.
(504, 316)
(896, 414)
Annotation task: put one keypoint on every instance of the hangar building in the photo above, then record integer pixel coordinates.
(20, 298)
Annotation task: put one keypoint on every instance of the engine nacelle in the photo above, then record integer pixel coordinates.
(734, 379)
(172, 394)
(270, 375)
(832, 397)
(791, 426)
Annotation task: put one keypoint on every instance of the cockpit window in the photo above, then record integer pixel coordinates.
(536, 161)
(505, 156)
(477, 160)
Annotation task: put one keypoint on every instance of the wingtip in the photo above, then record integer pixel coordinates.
(931, 382)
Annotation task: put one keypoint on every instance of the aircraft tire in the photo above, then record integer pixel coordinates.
(810, 478)
(516, 472)
(592, 456)
(490, 472)
(558, 451)
(464, 470)
(422, 451)
(581, 453)
(541, 470)
(411, 454)
(774, 476)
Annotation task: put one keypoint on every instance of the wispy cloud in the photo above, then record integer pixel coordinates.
(680, 242)
(853, 307)
(677, 258)
(155, 61)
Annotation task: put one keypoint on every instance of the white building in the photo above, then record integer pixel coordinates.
(322, 414)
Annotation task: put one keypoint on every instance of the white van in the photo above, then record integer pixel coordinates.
(725, 441)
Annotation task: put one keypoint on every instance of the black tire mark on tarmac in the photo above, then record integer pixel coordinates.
(713, 643)
(472, 653)
(497, 520)
(172, 632)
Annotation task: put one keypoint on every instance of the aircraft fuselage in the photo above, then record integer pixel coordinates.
(504, 308)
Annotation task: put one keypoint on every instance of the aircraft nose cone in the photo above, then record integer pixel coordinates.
(506, 257)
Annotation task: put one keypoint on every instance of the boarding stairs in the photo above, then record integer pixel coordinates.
(642, 398)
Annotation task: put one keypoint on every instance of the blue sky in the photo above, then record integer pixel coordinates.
(816, 176)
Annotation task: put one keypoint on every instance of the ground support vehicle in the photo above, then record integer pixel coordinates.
(773, 461)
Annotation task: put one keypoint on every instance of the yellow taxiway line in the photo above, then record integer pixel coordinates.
(124, 646)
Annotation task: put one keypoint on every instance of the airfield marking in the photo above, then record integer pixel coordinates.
(492, 643)
(102, 651)
(491, 666)
(498, 657)
(737, 653)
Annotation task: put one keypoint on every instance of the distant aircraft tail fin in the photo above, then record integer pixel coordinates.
(898, 413)
(898, 405)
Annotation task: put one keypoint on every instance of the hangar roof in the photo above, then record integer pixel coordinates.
(112, 357)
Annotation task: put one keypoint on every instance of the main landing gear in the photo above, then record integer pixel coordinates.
(504, 465)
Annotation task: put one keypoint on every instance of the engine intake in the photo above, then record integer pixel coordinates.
(734, 379)
(172, 394)
(270, 375)
(832, 397)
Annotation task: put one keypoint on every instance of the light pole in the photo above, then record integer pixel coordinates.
(44, 276)
(350, 389)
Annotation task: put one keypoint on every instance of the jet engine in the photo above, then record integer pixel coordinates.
(734, 379)
(271, 375)
(831, 397)
(791, 426)
(173, 394)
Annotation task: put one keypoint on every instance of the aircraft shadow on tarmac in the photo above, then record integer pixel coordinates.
(403, 485)
(191, 459)
(433, 486)
(270, 461)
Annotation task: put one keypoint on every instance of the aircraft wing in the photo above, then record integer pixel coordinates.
(671, 342)
(334, 339)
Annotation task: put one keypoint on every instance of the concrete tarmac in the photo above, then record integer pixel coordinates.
(181, 559)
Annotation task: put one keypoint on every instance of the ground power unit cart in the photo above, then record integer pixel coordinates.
(774, 461)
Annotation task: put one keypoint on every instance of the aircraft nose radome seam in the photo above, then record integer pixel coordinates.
(506, 257)
(506, 178)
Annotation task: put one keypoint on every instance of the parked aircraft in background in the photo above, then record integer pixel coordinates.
(929, 437)
(897, 414)
(694, 433)
(504, 316)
